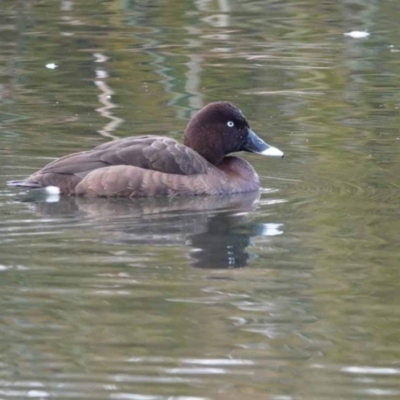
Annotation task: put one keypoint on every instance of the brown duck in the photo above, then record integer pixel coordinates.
(158, 166)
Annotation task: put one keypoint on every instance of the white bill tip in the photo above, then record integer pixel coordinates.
(272, 151)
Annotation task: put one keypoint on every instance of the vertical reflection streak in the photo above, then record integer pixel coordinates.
(104, 98)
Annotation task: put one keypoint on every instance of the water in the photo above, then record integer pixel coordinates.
(290, 293)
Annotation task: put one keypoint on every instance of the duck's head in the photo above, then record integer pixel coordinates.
(219, 129)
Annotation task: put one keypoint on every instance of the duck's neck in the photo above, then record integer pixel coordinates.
(210, 151)
(213, 157)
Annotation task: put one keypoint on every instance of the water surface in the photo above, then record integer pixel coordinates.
(290, 293)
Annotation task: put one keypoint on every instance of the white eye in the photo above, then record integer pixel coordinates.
(230, 124)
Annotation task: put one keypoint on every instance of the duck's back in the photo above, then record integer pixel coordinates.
(145, 156)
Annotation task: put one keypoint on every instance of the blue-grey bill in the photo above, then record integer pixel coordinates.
(255, 144)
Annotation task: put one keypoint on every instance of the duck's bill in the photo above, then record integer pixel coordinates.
(254, 144)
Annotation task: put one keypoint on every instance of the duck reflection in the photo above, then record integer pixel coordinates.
(219, 229)
(224, 242)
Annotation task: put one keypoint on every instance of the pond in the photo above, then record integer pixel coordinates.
(289, 293)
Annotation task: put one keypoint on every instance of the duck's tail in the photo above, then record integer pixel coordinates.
(50, 190)
(26, 184)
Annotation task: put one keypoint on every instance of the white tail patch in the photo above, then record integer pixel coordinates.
(52, 190)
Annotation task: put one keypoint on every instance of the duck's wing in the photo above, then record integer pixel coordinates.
(157, 153)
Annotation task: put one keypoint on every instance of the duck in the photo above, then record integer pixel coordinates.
(146, 166)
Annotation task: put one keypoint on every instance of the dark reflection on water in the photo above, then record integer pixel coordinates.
(218, 228)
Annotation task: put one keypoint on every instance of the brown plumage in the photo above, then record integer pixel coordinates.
(158, 165)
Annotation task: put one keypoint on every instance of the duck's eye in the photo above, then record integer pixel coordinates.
(230, 124)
